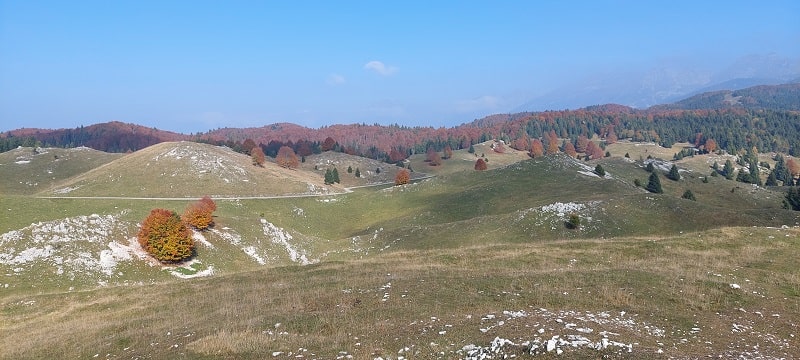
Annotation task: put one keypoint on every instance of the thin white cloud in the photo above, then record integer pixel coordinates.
(335, 79)
(380, 68)
(486, 102)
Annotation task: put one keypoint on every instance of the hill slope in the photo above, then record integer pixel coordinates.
(763, 97)
(30, 170)
(188, 169)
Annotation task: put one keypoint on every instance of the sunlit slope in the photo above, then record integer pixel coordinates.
(30, 170)
(188, 169)
(531, 201)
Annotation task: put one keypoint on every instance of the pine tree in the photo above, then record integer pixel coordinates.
(727, 170)
(349, 169)
(755, 177)
(599, 170)
(649, 168)
(328, 177)
(771, 179)
(792, 200)
(358, 172)
(673, 173)
(654, 184)
(782, 172)
(335, 176)
(471, 149)
(688, 195)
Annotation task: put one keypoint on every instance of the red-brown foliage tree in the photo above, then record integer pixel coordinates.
(611, 138)
(552, 143)
(480, 165)
(328, 144)
(402, 177)
(793, 167)
(248, 145)
(432, 157)
(164, 236)
(200, 214)
(304, 148)
(287, 158)
(395, 156)
(537, 149)
(448, 152)
(594, 151)
(521, 144)
(258, 156)
(582, 143)
(208, 202)
(711, 145)
(569, 149)
(499, 148)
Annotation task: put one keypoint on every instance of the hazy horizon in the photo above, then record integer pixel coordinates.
(191, 67)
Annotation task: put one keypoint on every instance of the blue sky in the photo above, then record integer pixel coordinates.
(192, 66)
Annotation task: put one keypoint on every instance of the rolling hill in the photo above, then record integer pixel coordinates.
(30, 170)
(190, 170)
(464, 265)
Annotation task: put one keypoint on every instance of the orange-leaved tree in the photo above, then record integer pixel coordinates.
(200, 214)
(402, 177)
(480, 165)
(569, 149)
(164, 236)
(258, 156)
(432, 157)
(287, 158)
(448, 152)
(537, 149)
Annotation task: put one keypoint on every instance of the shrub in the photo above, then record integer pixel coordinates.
(480, 165)
(164, 236)
(199, 214)
(688, 195)
(402, 178)
(574, 221)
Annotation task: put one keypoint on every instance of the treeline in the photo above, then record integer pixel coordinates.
(109, 137)
(735, 130)
(10, 142)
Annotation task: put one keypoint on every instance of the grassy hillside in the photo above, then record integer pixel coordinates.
(440, 268)
(722, 294)
(30, 170)
(188, 169)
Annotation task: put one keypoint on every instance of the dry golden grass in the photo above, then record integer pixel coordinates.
(438, 296)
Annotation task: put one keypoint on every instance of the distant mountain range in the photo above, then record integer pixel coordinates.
(667, 84)
(666, 124)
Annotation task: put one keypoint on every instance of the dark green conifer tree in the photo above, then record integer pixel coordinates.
(654, 184)
(727, 170)
(599, 170)
(673, 173)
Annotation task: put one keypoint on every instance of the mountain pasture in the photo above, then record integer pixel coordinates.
(461, 265)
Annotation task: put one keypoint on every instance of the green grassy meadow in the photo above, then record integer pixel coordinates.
(436, 269)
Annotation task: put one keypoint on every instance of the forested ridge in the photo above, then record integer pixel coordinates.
(764, 117)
